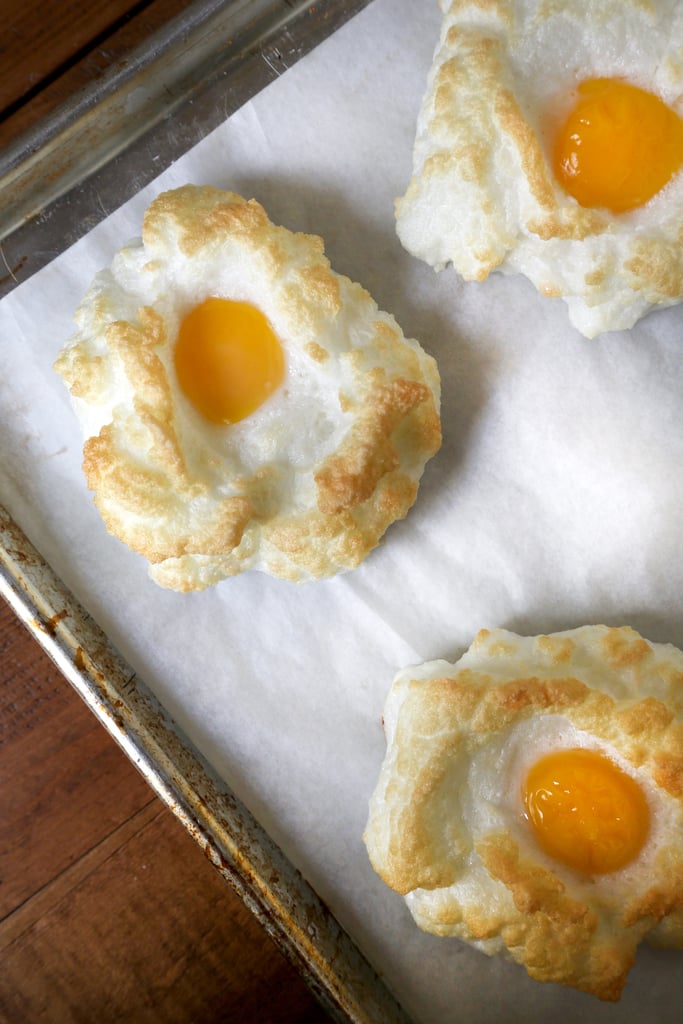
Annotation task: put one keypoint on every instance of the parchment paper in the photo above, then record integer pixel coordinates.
(555, 501)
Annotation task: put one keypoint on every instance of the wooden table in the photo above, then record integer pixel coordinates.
(108, 909)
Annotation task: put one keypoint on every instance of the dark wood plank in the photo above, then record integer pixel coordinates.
(57, 777)
(38, 39)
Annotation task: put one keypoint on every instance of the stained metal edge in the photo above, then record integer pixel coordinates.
(288, 908)
(59, 181)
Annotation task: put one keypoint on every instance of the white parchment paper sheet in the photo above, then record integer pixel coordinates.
(555, 501)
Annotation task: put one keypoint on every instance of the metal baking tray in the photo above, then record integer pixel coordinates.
(56, 183)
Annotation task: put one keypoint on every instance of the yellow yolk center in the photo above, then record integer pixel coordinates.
(227, 359)
(619, 146)
(585, 811)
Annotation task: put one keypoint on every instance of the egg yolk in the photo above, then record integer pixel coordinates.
(227, 358)
(586, 812)
(619, 146)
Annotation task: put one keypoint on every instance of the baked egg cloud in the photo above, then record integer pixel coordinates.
(530, 801)
(244, 406)
(550, 144)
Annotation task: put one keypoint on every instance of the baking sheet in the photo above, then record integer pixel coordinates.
(555, 501)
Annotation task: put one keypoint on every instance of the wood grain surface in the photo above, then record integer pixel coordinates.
(108, 910)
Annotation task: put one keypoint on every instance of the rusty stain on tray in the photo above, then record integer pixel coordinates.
(13, 271)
